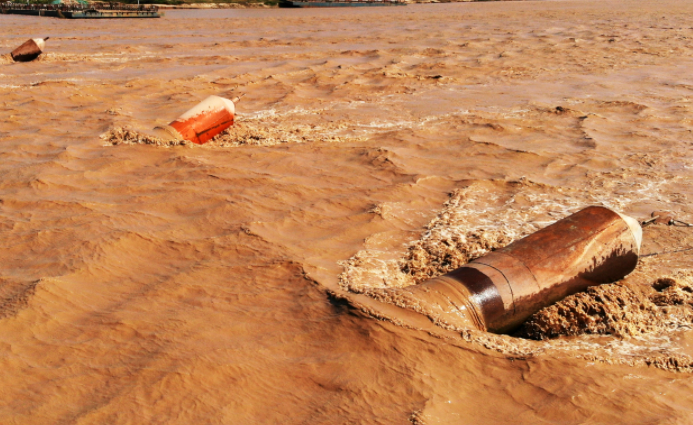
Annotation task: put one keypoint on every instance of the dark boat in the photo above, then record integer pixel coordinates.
(82, 10)
(339, 3)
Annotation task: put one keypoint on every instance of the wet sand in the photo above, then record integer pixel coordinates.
(227, 283)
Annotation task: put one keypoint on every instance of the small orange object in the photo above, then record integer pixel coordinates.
(201, 123)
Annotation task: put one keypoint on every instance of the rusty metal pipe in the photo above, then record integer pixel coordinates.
(29, 50)
(207, 119)
(499, 291)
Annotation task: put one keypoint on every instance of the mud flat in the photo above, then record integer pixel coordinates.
(150, 282)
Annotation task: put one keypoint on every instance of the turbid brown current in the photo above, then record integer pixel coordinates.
(235, 282)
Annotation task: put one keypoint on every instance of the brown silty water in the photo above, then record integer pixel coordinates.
(238, 281)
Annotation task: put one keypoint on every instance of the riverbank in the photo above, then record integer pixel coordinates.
(235, 5)
(264, 5)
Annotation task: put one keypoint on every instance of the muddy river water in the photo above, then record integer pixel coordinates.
(374, 148)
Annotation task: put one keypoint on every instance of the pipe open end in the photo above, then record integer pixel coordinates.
(634, 228)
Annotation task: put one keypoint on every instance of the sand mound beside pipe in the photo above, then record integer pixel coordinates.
(240, 134)
(125, 136)
(251, 134)
(443, 252)
(617, 309)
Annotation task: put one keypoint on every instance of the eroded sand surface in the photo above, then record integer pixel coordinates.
(159, 283)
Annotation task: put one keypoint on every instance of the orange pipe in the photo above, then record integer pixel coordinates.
(207, 119)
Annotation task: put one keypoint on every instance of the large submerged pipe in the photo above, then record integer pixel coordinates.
(499, 291)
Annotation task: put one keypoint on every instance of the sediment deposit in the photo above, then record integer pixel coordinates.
(233, 282)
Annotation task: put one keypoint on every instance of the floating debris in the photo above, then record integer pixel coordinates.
(665, 217)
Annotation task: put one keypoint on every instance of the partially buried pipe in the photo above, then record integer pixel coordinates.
(206, 120)
(29, 50)
(499, 291)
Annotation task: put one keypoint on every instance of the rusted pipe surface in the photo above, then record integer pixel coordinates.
(499, 291)
(29, 50)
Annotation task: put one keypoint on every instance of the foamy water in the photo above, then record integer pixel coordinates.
(375, 148)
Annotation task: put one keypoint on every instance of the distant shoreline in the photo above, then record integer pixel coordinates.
(215, 6)
(266, 6)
